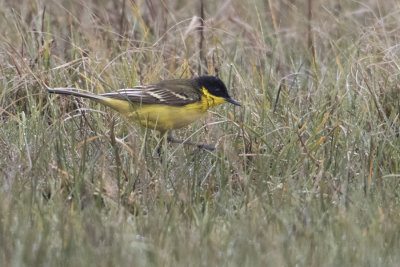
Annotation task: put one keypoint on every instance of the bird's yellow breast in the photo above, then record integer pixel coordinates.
(165, 117)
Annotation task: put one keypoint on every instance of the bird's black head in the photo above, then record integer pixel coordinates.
(215, 87)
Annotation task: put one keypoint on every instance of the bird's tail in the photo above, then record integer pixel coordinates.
(73, 92)
(122, 106)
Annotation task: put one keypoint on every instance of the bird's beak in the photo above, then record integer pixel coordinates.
(230, 100)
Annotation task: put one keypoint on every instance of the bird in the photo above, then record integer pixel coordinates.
(163, 106)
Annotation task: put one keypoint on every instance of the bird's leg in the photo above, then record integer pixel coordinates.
(200, 146)
(162, 136)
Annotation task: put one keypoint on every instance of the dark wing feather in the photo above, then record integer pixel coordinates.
(172, 92)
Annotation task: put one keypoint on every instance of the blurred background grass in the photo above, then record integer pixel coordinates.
(306, 173)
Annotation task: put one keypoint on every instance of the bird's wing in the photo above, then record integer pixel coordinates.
(173, 93)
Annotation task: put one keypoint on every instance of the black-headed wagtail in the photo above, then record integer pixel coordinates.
(164, 106)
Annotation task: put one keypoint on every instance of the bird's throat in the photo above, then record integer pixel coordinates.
(210, 100)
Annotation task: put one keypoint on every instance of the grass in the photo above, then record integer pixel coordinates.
(306, 173)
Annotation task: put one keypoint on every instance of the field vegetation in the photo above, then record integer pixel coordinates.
(305, 173)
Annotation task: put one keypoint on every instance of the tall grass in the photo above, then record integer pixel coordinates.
(306, 173)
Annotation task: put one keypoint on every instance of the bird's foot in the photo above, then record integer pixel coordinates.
(200, 146)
